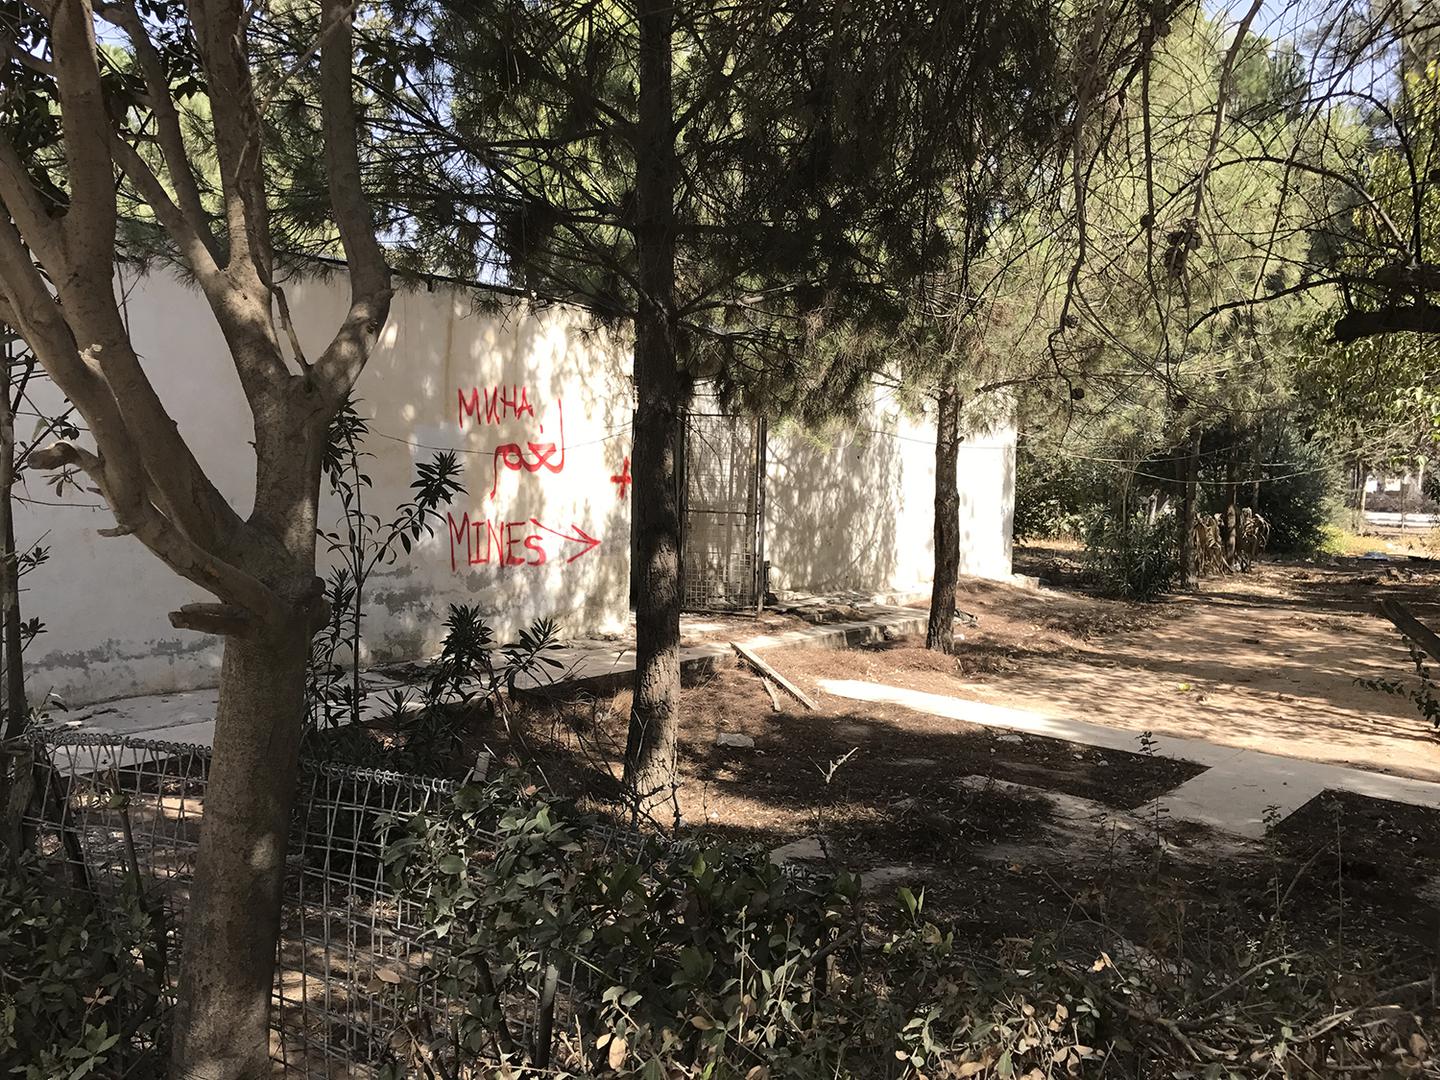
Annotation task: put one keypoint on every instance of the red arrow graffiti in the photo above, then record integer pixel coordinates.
(583, 537)
(508, 543)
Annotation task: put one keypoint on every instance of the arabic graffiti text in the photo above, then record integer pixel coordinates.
(532, 456)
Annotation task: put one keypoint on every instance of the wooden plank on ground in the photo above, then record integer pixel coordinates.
(768, 685)
(770, 689)
(748, 655)
(1411, 627)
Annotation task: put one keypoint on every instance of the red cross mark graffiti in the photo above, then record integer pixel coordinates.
(623, 478)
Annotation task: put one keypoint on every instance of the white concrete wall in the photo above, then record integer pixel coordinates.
(104, 601)
(850, 509)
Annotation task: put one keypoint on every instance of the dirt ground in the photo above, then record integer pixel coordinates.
(811, 769)
(1266, 661)
(1010, 834)
(1007, 832)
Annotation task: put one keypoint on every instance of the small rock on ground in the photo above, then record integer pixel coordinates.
(806, 849)
(735, 739)
(884, 877)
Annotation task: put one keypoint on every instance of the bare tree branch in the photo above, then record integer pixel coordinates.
(169, 134)
(1419, 318)
(195, 246)
(220, 33)
(89, 221)
(26, 206)
(1314, 169)
(340, 364)
(1227, 73)
(82, 340)
(289, 324)
(139, 517)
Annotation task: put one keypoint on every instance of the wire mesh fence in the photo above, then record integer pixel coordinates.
(350, 990)
(356, 993)
(112, 819)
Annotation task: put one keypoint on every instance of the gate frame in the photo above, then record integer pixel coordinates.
(760, 459)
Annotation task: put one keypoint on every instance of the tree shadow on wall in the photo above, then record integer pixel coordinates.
(832, 508)
(444, 344)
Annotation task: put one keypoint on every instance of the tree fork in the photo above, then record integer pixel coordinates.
(261, 570)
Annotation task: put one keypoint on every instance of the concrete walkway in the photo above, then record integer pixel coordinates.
(597, 666)
(1237, 792)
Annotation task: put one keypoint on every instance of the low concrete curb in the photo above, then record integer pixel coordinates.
(591, 667)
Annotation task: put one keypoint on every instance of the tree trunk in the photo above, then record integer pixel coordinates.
(17, 704)
(1187, 513)
(1257, 465)
(941, 633)
(1360, 504)
(1232, 508)
(357, 553)
(221, 1019)
(17, 709)
(662, 390)
(221, 1023)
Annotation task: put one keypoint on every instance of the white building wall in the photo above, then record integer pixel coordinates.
(544, 526)
(852, 508)
(105, 600)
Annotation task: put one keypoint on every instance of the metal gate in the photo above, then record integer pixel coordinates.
(722, 550)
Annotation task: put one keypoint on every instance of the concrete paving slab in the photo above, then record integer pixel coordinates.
(1239, 792)
(1383, 786)
(1004, 716)
(1245, 791)
(141, 717)
(1239, 799)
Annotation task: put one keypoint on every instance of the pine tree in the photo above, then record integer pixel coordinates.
(737, 181)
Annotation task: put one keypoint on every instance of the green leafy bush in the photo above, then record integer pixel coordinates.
(1299, 498)
(698, 960)
(1132, 557)
(423, 728)
(1055, 494)
(701, 961)
(80, 982)
(1423, 692)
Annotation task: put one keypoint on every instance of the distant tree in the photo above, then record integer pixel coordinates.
(1159, 344)
(967, 327)
(84, 131)
(1364, 90)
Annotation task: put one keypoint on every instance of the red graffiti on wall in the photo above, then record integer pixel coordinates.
(501, 403)
(512, 543)
(542, 455)
(623, 477)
